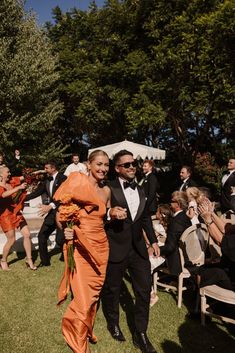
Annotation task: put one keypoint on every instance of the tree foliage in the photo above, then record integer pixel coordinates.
(161, 70)
(29, 107)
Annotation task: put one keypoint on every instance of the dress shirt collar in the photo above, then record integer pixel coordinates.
(175, 214)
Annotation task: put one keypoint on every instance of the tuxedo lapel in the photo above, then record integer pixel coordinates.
(55, 184)
(120, 197)
(142, 203)
(48, 187)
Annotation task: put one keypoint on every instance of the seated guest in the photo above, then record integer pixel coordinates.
(185, 176)
(163, 217)
(177, 225)
(194, 196)
(223, 233)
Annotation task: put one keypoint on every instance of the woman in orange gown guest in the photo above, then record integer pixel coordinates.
(11, 216)
(90, 252)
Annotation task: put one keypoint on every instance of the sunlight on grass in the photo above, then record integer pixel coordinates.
(31, 322)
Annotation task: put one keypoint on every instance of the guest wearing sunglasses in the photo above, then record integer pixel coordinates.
(178, 223)
(128, 251)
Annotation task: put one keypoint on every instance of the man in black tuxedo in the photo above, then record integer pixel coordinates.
(151, 186)
(185, 176)
(228, 181)
(49, 186)
(178, 224)
(128, 251)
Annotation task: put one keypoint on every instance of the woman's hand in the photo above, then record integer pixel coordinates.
(118, 213)
(205, 212)
(68, 233)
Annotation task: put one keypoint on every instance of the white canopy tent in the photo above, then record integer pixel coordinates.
(137, 149)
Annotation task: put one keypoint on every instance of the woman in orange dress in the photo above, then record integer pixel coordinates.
(90, 250)
(11, 216)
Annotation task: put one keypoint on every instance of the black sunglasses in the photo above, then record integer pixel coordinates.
(127, 165)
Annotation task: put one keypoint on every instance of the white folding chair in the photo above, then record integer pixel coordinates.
(217, 293)
(192, 247)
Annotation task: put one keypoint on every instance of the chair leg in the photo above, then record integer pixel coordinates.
(203, 309)
(155, 277)
(180, 290)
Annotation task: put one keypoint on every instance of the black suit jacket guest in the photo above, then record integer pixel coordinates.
(178, 224)
(124, 234)
(226, 193)
(188, 183)
(49, 223)
(232, 202)
(43, 188)
(151, 187)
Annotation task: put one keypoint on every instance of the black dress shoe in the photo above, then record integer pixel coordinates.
(142, 342)
(116, 333)
(44, 264)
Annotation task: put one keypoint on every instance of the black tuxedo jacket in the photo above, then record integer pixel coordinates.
(44, 188)
(189, 183)
(226, 193)
(128, 233)
(170, 250)
(151, 186)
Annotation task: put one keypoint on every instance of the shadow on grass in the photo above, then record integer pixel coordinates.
(196, 338)
(21, 255)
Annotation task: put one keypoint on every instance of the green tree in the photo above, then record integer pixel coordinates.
(29, 108)
(161, 70)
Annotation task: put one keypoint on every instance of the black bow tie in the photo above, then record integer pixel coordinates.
(128, 184)
(50, 178)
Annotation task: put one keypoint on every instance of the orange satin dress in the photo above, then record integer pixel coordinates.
(10, 213)
(91, 252)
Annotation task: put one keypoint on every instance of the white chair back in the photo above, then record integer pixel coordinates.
(193, 244)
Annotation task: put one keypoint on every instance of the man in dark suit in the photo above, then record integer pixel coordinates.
(128, 251)
(151, 186)
(228, 181)
(179, 222)
(49, 186)
(185, 176)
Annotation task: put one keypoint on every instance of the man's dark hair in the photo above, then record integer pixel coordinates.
(119, 154)
(75, 155)
(188, 168)
(52, 164)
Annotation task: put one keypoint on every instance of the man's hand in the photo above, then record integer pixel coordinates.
(22, 186)
(156, 249)
(118, 213)
(44, 209)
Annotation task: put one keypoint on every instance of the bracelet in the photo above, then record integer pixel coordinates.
(209, 223)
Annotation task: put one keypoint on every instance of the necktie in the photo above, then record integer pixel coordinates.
(50, 178)
(128, 184)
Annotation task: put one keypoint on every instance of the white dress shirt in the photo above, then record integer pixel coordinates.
(51, 188)
(226, 176)
(80, 167)
(132, 198)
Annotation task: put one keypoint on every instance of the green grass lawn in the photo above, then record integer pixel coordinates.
(31, 323)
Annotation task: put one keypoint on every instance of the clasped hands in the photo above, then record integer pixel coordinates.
(118, 212)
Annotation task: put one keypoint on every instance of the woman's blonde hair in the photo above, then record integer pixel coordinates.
(96, 153)
(194, 192)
